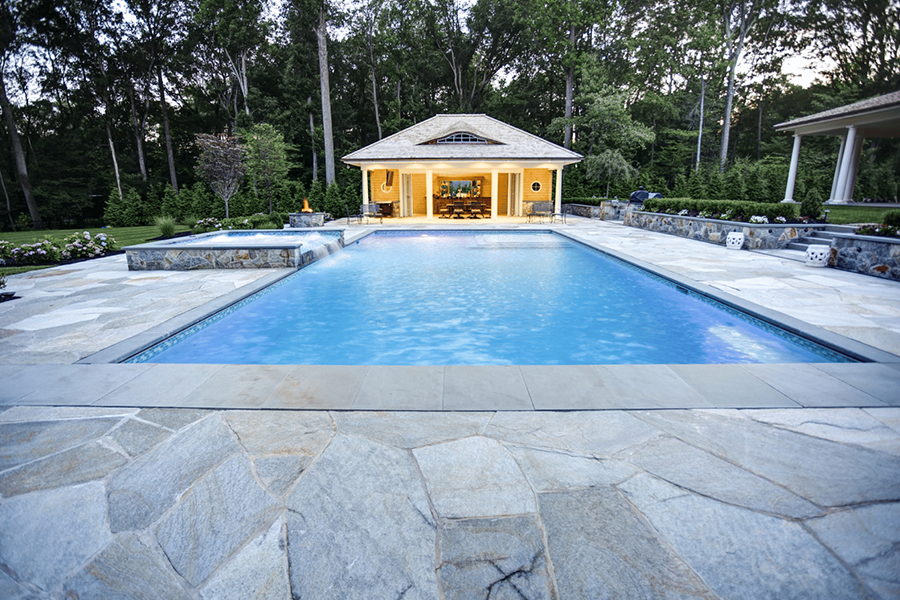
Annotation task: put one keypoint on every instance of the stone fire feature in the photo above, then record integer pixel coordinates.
(302, 219)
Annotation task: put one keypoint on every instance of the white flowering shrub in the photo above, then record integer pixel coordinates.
(84, 245)
(683, 212)
(780, 220)
(759, 219)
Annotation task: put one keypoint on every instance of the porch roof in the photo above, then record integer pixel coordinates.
(874, 117)
(503, 143)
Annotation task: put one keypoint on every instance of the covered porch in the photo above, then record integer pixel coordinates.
(873, 118)
(461, 167)
(458, 191)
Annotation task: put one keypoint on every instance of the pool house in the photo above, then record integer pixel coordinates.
(461, 166)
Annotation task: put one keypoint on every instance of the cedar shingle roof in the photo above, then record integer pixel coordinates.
(505, 143)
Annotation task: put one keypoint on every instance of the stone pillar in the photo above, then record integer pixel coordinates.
(365, 184)
(495, 184)
(837, 170)
(846, 166)
(429, 193)
(557, 207)
(792, 174)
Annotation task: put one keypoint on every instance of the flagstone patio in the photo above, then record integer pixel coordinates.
(100, 500)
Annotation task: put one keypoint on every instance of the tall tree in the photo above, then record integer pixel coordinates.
(237, 28)
(160, 25)
(861, 38)
(11, 40)
(325, 91)
(266, 157)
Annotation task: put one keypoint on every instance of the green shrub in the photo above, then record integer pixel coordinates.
(725, 209)
(892, 218)
(2, 281)
(812, 204)
(6, 249)
(166, 226)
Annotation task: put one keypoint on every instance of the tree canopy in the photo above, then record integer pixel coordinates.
(99, 94)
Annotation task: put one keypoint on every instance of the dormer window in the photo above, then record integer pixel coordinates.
(461, 138)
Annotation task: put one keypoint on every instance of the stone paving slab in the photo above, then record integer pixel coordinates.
(538, 504)
(457, 388)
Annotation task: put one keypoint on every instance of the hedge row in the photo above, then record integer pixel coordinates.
(739, 211)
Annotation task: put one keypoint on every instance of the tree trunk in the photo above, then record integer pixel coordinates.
(726, 118)
(312, 136)
(570, 91)
(19, 154)
(112, 151)
(138, 133)
(165, 118)
(702, 110)
(374, 86)
(322, 39)
(12, 221)
(759, 130)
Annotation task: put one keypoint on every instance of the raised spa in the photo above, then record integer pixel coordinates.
(262, 249)
(462, 298)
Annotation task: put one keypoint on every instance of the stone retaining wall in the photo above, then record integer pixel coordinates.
(869, 255)
(756, 237)
(607, 211)
(189, 259)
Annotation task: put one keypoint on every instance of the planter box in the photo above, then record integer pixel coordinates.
(867, 254)
(756, 237)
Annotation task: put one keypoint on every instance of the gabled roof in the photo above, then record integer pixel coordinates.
(878, 115)
(505, 143)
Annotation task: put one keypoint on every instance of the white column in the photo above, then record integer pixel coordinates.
(846, 163)
(854, 168)
(792, 174)
(509, 194)
(365, 184)
(429, 193)
(495, 184)
(837, 169)
(558, 206)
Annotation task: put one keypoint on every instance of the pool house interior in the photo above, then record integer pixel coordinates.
(461, 166)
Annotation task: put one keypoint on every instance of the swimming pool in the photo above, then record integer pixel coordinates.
(485, 298)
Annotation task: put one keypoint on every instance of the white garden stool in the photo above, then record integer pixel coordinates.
(817, 256)
(734, 240)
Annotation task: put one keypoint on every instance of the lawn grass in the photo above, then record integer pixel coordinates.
(841, 215)
(124, 236)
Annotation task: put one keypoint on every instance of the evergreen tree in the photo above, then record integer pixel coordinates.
(114, 213)
(696, 186)
(334, 202)
(715, 188)
(681, 189)
(316, 196)
(735, 186)
(172, 203)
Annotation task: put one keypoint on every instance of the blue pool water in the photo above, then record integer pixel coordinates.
(434, 298)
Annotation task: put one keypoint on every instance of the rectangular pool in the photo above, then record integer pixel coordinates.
(480, 298)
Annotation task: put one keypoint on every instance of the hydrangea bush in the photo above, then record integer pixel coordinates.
(83, 245)
(43, 251)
